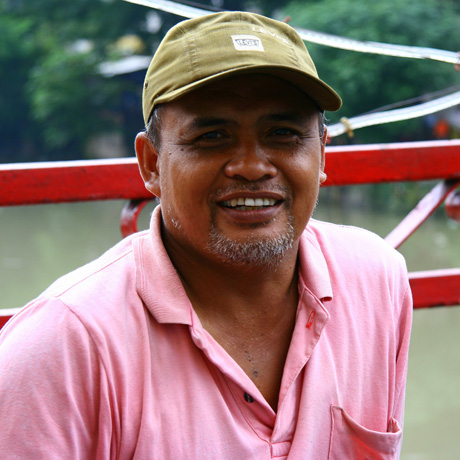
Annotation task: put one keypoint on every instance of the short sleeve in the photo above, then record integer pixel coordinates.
(52, 386)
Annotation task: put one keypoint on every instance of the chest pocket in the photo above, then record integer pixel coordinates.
(351, 441)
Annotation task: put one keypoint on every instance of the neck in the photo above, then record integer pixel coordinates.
(242, 290)
(249, 310)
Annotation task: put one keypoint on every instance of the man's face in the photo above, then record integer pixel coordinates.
(238, 170)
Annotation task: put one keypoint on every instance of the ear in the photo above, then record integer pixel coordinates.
(322, 174)
(148, 160)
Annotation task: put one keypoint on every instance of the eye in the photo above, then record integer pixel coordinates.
(212, 139)
(284, 134)
(211, 135)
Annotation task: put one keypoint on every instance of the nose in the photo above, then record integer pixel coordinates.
(250, 164)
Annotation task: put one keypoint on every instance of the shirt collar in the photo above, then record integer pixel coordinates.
(314, 273)
(161, 289)
(157, 280)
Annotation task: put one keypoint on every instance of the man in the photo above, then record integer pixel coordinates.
(237, 327)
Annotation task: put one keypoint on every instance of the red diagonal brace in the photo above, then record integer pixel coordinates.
(421, 212)
(453, 205)
(129, 216)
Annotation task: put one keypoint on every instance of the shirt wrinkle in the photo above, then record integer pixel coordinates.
(168, 390)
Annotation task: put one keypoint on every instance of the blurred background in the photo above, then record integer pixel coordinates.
(71, 70)
(71, 74)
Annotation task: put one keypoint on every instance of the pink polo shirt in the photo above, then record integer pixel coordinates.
(111, 362)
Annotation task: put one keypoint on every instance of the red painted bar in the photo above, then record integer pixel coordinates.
(68, 181)
(422, 212)
(6, 314)
(435, 288)
(429, 289)
(57, 182)
(410, 161)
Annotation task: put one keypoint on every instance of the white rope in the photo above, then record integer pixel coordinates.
(385, 49)
(333, 41)
(185, 11)
(390, 116)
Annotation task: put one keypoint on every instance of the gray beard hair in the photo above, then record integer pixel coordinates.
(255, 252)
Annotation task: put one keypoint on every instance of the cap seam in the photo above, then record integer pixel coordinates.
(192, 56)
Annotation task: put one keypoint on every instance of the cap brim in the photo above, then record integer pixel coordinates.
(321, 93)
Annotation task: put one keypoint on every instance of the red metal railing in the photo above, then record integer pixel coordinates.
(57, 182)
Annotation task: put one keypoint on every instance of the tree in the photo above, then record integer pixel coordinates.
(367, 81)
(53, 98)
(16, 56)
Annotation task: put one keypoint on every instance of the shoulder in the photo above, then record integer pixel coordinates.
(349, 243)
(368, 277)
(360, 261)
(90, 297)
(100, 281)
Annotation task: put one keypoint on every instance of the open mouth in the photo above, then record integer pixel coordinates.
(249, 204)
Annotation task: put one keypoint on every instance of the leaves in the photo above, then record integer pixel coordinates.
(53, 99)
(367, 81)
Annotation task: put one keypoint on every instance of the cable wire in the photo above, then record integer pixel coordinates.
(320, 38)
(390, 116)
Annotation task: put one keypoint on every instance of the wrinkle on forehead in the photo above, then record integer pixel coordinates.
(255, 97)
(242, 87)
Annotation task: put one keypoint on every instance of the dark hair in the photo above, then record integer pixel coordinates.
(153, 128)
(321, 125)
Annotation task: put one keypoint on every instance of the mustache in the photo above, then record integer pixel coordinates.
(253, 187)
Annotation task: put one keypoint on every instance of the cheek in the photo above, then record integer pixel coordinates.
(304, 181)
(184, 185)
(304, 173)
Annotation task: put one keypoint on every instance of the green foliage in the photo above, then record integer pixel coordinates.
(367, 81)
(64, 91)
(16, 54)
(53, 98)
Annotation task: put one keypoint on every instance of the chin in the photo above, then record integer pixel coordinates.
(252, 251)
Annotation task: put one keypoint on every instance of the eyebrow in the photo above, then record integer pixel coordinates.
(294, 117)
(210, 122)
(214, 121)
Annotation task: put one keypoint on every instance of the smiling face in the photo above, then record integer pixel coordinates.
(238, 170)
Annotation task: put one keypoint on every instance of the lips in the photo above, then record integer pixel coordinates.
(250, 207)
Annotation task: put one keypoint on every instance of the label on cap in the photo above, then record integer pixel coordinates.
(247, 43)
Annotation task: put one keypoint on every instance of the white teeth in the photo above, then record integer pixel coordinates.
(249, 202)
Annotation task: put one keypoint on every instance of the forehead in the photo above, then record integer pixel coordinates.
(244, 94)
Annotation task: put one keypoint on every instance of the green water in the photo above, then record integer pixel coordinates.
(40, 243)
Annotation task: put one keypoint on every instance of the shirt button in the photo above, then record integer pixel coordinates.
(310, 319)
(248, 398)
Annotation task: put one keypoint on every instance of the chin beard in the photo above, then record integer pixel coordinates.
(252, 251)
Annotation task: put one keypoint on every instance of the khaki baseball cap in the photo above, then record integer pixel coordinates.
(199, 51)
